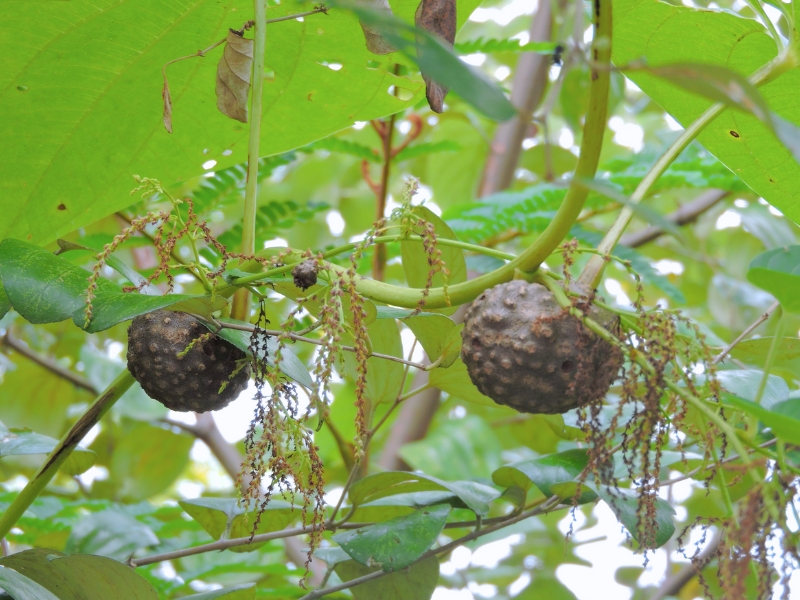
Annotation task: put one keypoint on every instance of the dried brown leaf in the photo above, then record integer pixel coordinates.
(167, 105)
(439, 18)
(375, 41)
(233, 76)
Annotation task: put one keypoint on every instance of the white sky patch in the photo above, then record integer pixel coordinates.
(335, 222)
(489, 555)
(234, 419)
(505, 14)
(615, 289)
(407, 336)
(773, 13)
(631, 86)
(775, 211)
(227, 152)
(209, 164)
(189, 490)
(520, 584)
(441, 593)
(276, 243)
(741, 203)
(485, 590)
(404, 127)
(476, 60)
(502, 72)
(114, 351)
(565, 138)
(629, 135)
(93, 474)
(729, 220)
(528, 143)
(666, 266)
(672, 123)
(359, 125)
(434, 208)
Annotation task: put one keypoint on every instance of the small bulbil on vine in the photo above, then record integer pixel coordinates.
(523, 350)
(182, 365)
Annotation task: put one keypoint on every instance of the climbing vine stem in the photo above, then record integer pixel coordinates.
(241, 300)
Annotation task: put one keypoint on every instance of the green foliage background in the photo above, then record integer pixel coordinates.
(80, 114)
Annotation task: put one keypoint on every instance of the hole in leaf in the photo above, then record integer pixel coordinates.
(401, 93)
(332, 65)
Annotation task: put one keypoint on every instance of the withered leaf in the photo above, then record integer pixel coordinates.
(167, 105)
(233, 76)
(439, 18)
(376, 43)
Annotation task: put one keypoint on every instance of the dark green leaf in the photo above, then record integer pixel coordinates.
(745, 383)
(120, 267)
(111, 533)
(223, 518)
(625, 502)
(417, 583)
(110, 309)
(465, 448)
(778, 272)
(431, 332)
(147, 460)
(16, 442)
(415, 260)
(42, 287)
(783, 419)
(475, 496)
(291, 366)
(22, 588)
(545, 471)
(456, 381)
(439, 62)
(80, 576)
(494, 45)
(396, 543)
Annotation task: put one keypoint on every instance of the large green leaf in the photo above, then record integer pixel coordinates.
(81, 99)
(110, 533)
(396, 543)
(22, 588)
(546, 471)
(80, 576)
(223, 518)
(648, 30)
(45, 288)
(417, 583)
(290, 365)
(746, 382)
(783, 418)
(625, 504)
(438, 62)
(754, 352)
(475, 496)
(778, 272)
(415, 260)
(15, 442)
(147, 460)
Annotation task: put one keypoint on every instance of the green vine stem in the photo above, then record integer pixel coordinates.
(555, 232)
(64, 448)
(241, 300)
(593, 271)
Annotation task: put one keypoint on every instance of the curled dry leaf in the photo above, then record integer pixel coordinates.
(233, 76)
(167, 105)
(439, 18)
(376, 43)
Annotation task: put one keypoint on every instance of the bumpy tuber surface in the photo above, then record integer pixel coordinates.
(191, 382)
(524, 351)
